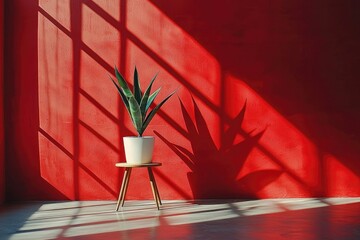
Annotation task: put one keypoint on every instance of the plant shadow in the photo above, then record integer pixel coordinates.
(215, 171)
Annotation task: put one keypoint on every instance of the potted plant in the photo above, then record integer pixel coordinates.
(138, 149)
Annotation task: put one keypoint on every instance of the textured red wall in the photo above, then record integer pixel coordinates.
(2, 145)
(267, 102)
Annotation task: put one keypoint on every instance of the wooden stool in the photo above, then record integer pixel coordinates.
(128, 167)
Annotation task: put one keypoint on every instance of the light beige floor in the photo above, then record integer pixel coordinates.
(305, 219)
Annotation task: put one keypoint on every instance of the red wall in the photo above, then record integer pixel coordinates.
(267, 102)
(2, 162)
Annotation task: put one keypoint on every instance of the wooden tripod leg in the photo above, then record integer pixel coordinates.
(154, 188)
(126, 185)
(121, 193)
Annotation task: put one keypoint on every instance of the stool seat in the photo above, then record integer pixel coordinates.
(128, 168)
(132, 165)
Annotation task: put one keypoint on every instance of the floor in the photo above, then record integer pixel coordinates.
(305, 219)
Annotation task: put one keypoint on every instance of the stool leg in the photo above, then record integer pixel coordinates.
(154, 188)
(121, 193)
(126, 185)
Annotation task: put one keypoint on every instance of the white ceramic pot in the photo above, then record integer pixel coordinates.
(139, 150)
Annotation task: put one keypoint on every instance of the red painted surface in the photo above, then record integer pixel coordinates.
(2, 160)
(267, 104)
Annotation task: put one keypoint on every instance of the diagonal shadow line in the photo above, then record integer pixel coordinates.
(172, 184)
(97, 179)
(56, 143)
(96, 134)
(101, 12)
(188, 158)
(96, 57)
(99, 106)
(55, 22)
(288, 171)
(64, 150)
(174, 124)
(173, 72)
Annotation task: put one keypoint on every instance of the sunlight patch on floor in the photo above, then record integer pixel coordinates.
(51, 220)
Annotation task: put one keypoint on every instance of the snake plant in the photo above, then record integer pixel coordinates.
(137, 102)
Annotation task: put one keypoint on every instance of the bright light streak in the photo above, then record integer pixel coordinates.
(111, 227)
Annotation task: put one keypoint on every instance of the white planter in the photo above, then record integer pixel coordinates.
(138, 150)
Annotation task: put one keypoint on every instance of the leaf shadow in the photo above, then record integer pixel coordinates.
(214, 171)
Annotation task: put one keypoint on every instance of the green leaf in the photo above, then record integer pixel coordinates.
(154, 111)
(137, 89)
(144, 100)
(123, 84)
(151, 99)
(136, 102)
(123, 97)
(135, 114)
